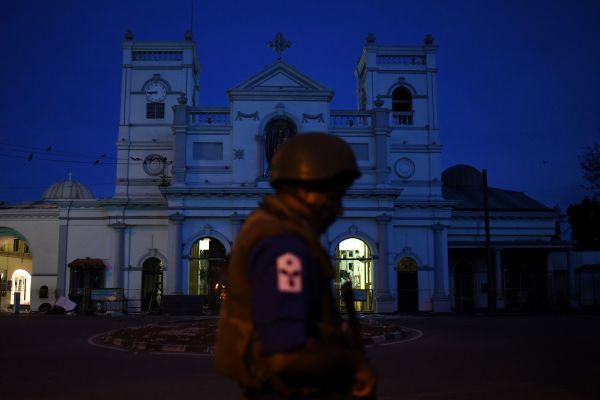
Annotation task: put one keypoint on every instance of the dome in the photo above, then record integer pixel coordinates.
(462, 175)
(67, 190)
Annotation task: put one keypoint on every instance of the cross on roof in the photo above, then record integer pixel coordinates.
(279, 44)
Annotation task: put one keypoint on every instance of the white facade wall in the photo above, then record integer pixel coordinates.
(396, 207)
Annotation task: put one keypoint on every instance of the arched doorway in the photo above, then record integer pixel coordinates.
(408, 285)
(277, 132)
(463, 287)
(207, 266)
(21, 283)
(354, 263)
(86, 274)
(15, 268)
(152, 285)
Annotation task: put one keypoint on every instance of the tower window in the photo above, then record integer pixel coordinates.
(402, 108)
(155, 110)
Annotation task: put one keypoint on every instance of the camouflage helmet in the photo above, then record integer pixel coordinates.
(314, 157)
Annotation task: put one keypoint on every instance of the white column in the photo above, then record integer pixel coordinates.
(499, 288)
(118, 253)
(260, 159)
(381, 127)
(180, 112)
(176, 279)
(441, 298)
(385, 301)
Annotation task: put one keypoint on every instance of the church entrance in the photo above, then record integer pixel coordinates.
(463, 288)
(207, 266)
(408, 285)
(354, 263)
(152, 285)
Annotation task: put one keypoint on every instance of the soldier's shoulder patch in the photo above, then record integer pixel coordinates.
(289, 273)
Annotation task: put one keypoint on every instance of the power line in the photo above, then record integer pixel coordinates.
(51, 151)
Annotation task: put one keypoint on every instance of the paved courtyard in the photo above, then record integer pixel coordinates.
(458, 357)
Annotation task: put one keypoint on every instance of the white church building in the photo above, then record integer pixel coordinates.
(412, 237)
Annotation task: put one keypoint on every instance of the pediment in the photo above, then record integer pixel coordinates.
(280, 80)
(280, 76)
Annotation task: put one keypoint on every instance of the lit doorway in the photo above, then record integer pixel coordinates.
(207, 267)
(152, 283)
(15, 269)
(21, 283)
(408, 285)
(354, 263)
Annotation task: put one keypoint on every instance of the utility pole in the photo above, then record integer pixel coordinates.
(491, 292)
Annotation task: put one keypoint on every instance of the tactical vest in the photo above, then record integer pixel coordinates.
(237, 353)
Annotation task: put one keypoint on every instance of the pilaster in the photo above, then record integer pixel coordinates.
(260, 159)
(176, 283)
(385, 301)
(441, 298)
(381, 126)
(118, 255)
(180, 127)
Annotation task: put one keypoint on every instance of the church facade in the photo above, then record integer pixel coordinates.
(412, 238)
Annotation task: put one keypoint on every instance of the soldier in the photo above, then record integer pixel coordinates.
(280, 335)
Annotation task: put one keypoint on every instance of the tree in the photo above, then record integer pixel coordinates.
(589, 161)
(585, 223)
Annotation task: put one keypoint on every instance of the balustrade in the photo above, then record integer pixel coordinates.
(209, 117)
(349, 119)
(402, 118)
(401, 59)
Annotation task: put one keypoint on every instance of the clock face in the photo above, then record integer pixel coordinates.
(156, 92)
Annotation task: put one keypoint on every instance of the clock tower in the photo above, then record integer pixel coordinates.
(155, 76)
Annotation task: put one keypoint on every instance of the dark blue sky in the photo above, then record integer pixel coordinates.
(519, 81)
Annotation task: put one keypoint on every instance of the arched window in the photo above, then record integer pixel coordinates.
(354, 263)
(207, 262)
(277, 132)
(402, 107)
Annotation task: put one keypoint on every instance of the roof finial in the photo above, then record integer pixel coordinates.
(128, 35)
(279, 44)
(70, 176)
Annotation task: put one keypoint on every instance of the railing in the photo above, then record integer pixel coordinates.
(363, 300)
(401, 59)
(349, 119)
(402, 118)
(157, 55)
(209, 117)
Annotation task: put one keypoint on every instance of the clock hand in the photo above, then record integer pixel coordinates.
(152, 92)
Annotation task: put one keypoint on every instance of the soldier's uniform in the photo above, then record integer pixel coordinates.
(280, 302)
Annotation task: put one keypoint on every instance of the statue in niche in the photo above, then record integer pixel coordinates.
(277, 132)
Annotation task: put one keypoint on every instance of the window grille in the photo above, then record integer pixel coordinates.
(155, 110)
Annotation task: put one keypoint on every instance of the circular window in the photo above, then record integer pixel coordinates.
(404, 168)
(154, 164)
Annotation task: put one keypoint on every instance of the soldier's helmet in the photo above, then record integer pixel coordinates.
(314, 158)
